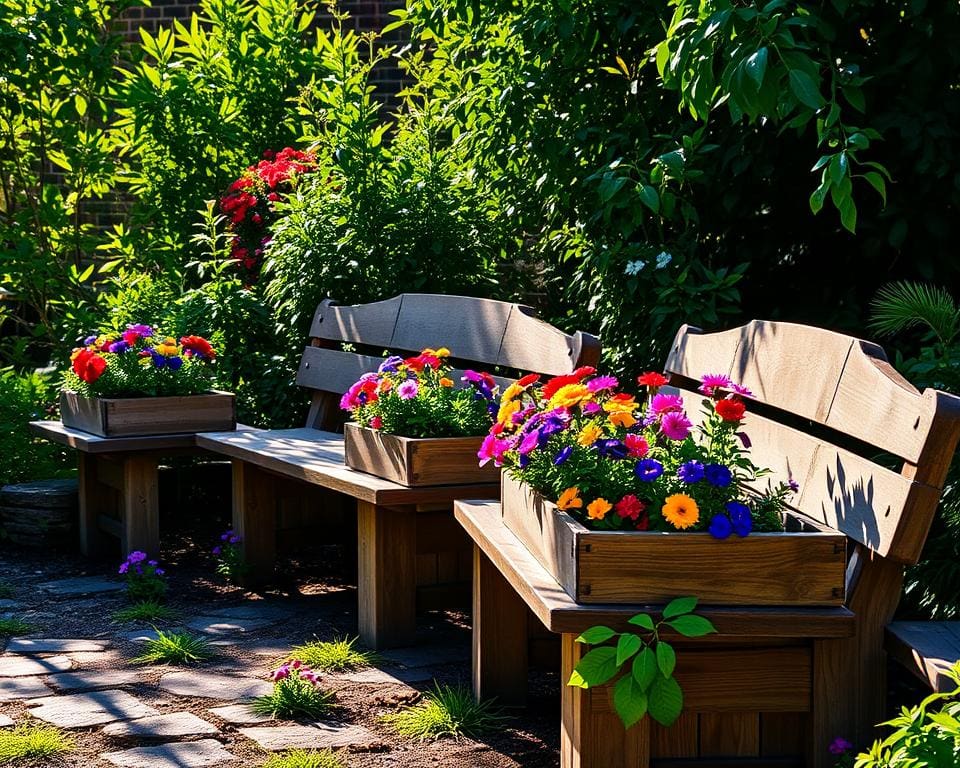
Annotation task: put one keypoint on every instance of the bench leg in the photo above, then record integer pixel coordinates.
(94, 498)
(592, 736)
(386, 575)
(499, 636)
(140, 506)
(255, 520)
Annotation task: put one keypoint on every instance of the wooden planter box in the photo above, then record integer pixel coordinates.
(791, 568)
(139, 416)
(416, 461)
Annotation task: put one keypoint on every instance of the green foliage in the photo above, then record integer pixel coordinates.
(231, 564)
(149, 611)
(446, 711)
(13, 626)
(301, 758)
(175, 648)
(296, 695)
(23, 457)
(29, 742)
(337, 655)
(925, 735)
(647, 685)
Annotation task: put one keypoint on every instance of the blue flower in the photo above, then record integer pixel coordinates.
(523, 460)
(690, 472)
(611, 449)
(390, 364)
(648, 470)
(159, 360)
(562, 455)
(718, 475)
(174, 363)
(118, 347)
(720, 527)
(740, 517)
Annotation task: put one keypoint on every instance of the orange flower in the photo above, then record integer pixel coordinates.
(445, 382)
(680, 511)
(598, 508)
(589, 435)
(569, 396)
(622, 419)
(570, 499)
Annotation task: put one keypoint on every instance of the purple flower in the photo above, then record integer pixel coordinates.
(124, 567)
(217, 550)
(675, 425)
(718, 475)
(234, 540)
(137, 557)
(492, 447)
(562, 455)
(143, 330)
(159, 571)
(793, 485)
(690, 472)
(118, 347)
(227, 535)
(840, 746)
(720, 527)
(744, 439)
(390, 364)
(740, 389)
(611, 449)
(530, 442)
(159, 361)
(648, 470)
(408, 390)
(602, 382)
(174, 363)
(89, 340)
(662, 403)
(711, 382)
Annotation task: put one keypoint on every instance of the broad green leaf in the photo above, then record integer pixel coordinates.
(666, 658)
(838, 168)
(627, 645)
(642, 620)
(692, 626)
(757, 66)
(596, 635)
(665, 700)
(848, 214)
(805, 89)
(679, 606)
(876, 181)
(81, 104)
(650, 198)
(644, 667)
(596, 668)
(629, 700)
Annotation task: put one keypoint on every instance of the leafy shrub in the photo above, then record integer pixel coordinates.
(13, 626)
(445, 711)
(301, 758)
(337, 655)
(148, 611)
(175, 648)
(31, 742)
(145, 578)
(296, 694)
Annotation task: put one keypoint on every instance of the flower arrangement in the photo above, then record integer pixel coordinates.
(616, 464)
(231, 563)
(145, 578)
(415, 397)
(297, 693)
(249, 201)
(140, 361)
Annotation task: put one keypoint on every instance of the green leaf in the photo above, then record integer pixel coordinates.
(848, 214)
(642, 620)
(630, 700)
(627, 645)
(805, 89)
(757, 66)
(838, 168)
(679, 606)
(665, 700)
(81, 104)
(692, 626)
(596, 668)
(644, 668)
(649, 197)
(876, 181)
(820, 195)
(596, 635)
(666, 658)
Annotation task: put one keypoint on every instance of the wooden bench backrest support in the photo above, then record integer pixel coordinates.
(828, 407)
(481, 332)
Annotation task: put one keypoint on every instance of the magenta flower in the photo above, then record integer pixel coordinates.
(740, 389)
(840, 746)
(529, 442)
(602, 382)
(493, 448)
(662, 403)
(675, 425)
(408, 390)
(711, 382)
(281, 674)
(591, 408)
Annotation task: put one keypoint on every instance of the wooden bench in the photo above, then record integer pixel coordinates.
(482, 332)
(773, 687)
(927, 649)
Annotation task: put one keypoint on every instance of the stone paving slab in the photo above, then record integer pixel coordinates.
(90, 681)
(19, 688)
(216, 625)
(193, 754)
(239, 714)
(5, 722)
(82, 585)
(376, 676)
(271, 648)
(426, 656)
(49, 645)
(160, 726)
(267, 610)
(209, 686)
(328, 735)
(81, 710)
(20, 666)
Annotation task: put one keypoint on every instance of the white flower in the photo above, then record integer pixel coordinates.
(663, 258)
(634, 267)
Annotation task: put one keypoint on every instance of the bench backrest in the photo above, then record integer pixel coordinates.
(830, 411)
(482, 333)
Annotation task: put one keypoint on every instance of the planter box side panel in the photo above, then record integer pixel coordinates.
(83, 413)
(449, 461)
(141, 416)
(376, 453)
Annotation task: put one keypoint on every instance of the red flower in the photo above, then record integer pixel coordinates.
(530, 378)
(643, 523)
(197, 345)
(637, 445)
(553, 386)
(582, 372)
(652, 379)
(630, 506)
(88, 365)
(131, 337)
(730, 409)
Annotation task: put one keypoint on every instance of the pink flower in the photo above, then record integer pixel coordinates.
(281, 674)
(711, 382)
(376, 422)
(661, 403)
(637, 446)
(591, 408)
(529, 442)
(740, 389)
(840, 746)
(492, 447)
(675, 425)
(408, 390)
(602, 382)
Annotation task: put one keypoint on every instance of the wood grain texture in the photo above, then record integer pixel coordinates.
(499, 636)
(56, 432)
(416, 462)
(140, 505)
(255, 520)
(138, 416)
(629, 566)
(362, 324)
(730, 734)
(95, 500)
(679, 740)
(782, 734)
(928, 649)
(560, 613)
(386, 575)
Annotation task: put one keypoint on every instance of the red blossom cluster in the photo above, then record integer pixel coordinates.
(248, 203)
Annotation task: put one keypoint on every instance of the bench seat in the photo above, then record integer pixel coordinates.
(926, 648)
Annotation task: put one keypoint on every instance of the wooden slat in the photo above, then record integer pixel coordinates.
(140, 505)
(87, 443)
(679, 740)
(330, 370)
(95, 501)
(255, 520)
(559, 613)
(928, 649)
(782, 734)
(371, 324)
(730, 734)
(530, 344)
(472, 329)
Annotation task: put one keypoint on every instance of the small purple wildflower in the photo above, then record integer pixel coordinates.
(408, 390)
(840, 746)
(690, 472)
(562, 455)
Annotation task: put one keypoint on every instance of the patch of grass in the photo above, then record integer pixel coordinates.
(30, 741)
(14, 626)
(445, 711)
(145, 611)
(175, 648)
(294, 698)
(337, 655)
(301, 758)
(6, 591)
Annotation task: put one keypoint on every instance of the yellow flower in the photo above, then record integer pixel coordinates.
(569, 396)
(507, 410)
(570, 499)
(622, 419)
(680, 511)
(620, 404)
(442, 352)
(445, 382)
(589, 435)
(598, 508)
(511, 392)
(168, 347)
